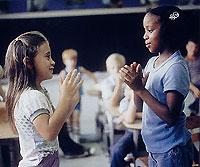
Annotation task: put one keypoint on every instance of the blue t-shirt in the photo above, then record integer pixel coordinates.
(172, 74)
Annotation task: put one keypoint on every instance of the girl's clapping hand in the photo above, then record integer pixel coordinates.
(132, 76)
(70, 87)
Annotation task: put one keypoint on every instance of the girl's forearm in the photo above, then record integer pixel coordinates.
(161, 110)
(56, 121)
(138, 102)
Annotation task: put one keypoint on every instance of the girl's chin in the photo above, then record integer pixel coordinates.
(49, 77)
(152, 51)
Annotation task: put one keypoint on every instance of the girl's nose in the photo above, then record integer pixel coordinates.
(145, 36)
(53, 62)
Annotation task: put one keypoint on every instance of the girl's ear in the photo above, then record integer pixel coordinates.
(28, 63)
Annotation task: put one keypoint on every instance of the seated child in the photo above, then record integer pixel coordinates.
(113, 64)
(125, 111)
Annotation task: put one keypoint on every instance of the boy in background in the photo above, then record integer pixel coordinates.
(70, 58)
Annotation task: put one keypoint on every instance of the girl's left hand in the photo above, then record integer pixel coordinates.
(132, 76)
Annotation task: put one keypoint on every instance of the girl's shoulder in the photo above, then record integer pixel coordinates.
(150, 63)
(177, 60)
(30, 93)
(152, 59)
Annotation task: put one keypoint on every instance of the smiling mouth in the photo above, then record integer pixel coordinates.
(51, 69)
(148, 45)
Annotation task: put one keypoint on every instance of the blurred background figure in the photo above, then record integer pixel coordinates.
(193, 59)
(124, 111)
(70, 148)
(113, 64)
(70, 58)
(149, 2)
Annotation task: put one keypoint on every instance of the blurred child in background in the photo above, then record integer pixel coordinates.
(70, 58)
(113, 64)
(193, 59)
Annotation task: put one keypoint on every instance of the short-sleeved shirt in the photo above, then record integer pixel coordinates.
(171, 75)
(33, 147)
(123, 105)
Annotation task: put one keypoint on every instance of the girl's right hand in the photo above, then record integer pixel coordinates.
(132, 76)
(70, 89)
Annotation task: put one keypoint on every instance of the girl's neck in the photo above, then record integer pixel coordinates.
(38, 85)
(165, 54)
(162, 57)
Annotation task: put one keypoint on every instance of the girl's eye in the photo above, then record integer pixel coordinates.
(150, 31)
(48, 57)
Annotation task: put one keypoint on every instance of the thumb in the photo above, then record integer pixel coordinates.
(145, 78)
(139, 70)
(146, 75)
(133, 66)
